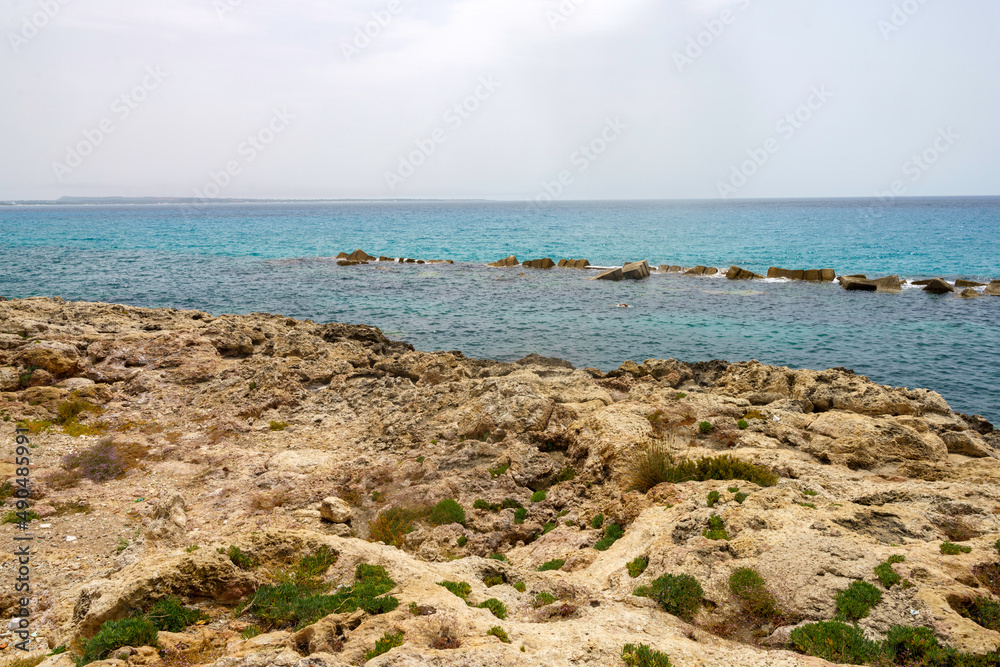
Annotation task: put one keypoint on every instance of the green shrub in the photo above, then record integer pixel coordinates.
(896, 558)
(297, 605)
(716, 528)
(113, 635)
(520, 514)
(170, 615)
(854, 602)
(445, 512)
(69, 410)
(597, 521)
(612, 533)
(491, 580)
(240, 559)
(462, 540)
(713, 497)
(24, 516)
(809, 492)
(548, 527)
(643, 656)
(886, 575)
(750, 589)
(705, 428)
(543, 599)
(520, 587)
(743, 424)
(499, 557)
(510, 504)
(637, 566)
(495, 606)
(538, 496)
(481, 504)
(250, 632)
(313, 566)
(952, 549)
(653, 464)
(740, 497)
(680, 595)
(459, 588)
(554, 564)
(836, 642)
(278, 426)
(392, 525)
(389, 641)
(499, 633)
(996, 545)
(983, 611)
(913, 646)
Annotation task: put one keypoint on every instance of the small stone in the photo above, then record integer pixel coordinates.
(335, 510)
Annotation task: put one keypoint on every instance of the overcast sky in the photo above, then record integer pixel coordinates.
(183, 85)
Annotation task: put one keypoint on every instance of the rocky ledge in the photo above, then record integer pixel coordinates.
(299, 492)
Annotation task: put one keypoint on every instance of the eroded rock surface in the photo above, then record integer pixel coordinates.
(280, 436)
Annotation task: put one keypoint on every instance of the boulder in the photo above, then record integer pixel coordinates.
(545, 263)
(939, 286)
(360, 256)
(696, 271)
(736, 273)
(335, 510)
(966, 443)
(56, 358)
(10, 379)
(711, 271)
(410, 260)
(504, 263)
(858, 284)
(342, 255)
(663, 268)
(573, 263)
(169, 519)
(348, 262)
(993, 289)
(789, 274)
(922, 283)
(383, 258)
(969, 293)
(888, 284)
(968, 283)
(613, 274)
(674, 269)
(636, 270)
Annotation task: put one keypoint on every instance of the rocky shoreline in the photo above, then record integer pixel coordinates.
(210, 460)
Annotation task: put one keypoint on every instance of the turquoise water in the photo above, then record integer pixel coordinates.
(269, 257)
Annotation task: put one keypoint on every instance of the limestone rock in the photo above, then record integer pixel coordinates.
(57, 358)
(636, 270)
(612, 274)
(858, 284)
(938, 286)
(360, 255)
(969, 293)
(968, 283)
(736, 273)
(503, 263)
(335, 510)
(967, 443)
(993, 289)
(888, 284)
(169, 519)
(573, 263)
(545, 263)
(9, 379)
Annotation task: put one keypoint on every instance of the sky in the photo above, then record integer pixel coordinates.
(499, 99)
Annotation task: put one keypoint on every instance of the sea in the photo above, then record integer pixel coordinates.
(277, 258)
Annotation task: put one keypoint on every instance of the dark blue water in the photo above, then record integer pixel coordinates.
(247, 258)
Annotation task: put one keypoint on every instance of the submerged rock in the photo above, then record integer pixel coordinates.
(611, 274)
(858, 284)
(545, 263)
(993, 289)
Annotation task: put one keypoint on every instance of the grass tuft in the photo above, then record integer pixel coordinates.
(952, 549)
(389, 641)
(459, 588)
(637, 566)
(554, 564)
(643, 656)
(854, 602)
(445, 512)
(612, 533)
(498, 608)
(498, 632)
(113, 635)
(653, 464)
